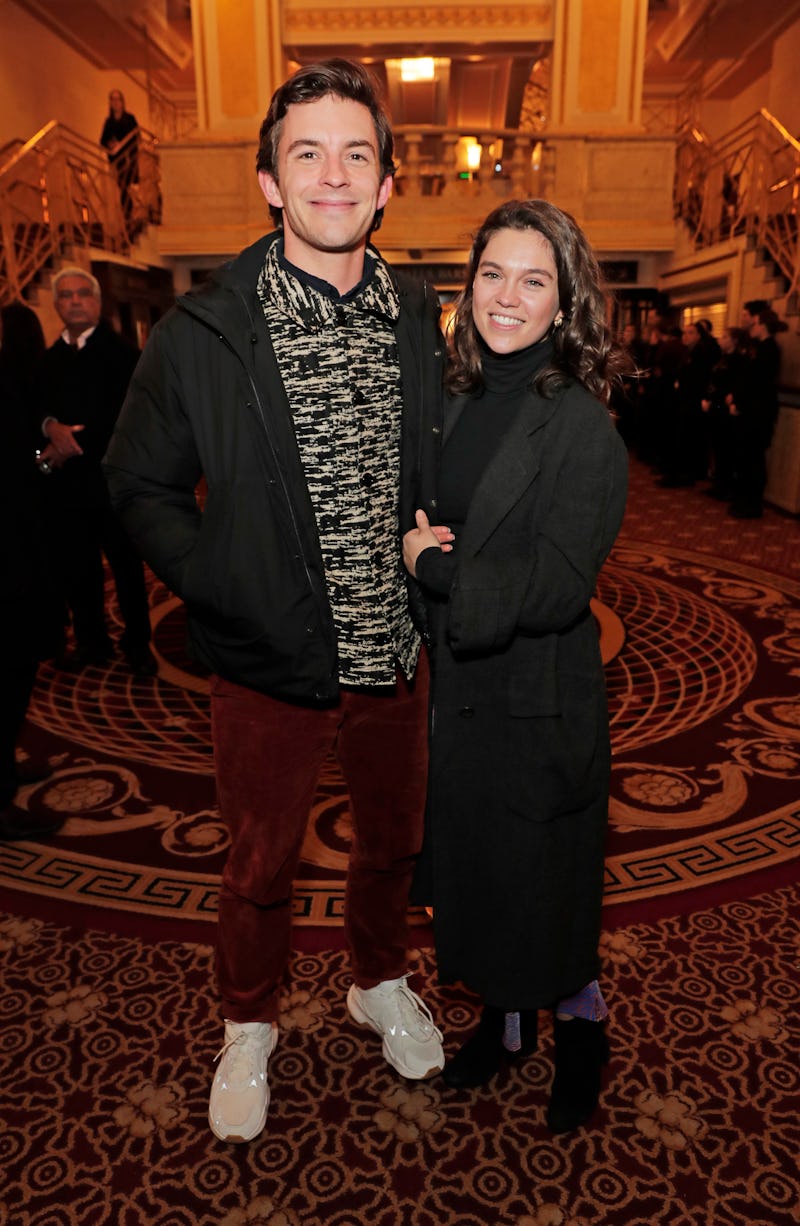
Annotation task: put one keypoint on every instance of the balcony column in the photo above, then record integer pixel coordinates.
(411, 164)
(238, 64)
(450, 185)
(486, 168)
(521, 167)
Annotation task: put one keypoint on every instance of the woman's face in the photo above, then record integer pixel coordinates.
(515, 291)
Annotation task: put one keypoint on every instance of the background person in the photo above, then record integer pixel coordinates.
(306, 423)
(120, 137)
(727, 384)
(755, 413)
(84, 380)
(532, 486)
(30, 615)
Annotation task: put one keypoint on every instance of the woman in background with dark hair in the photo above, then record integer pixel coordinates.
(120, 138)
(30, 622)
(531, 484)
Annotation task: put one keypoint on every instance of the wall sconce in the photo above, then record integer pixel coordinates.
(420, 69)
(473, 155)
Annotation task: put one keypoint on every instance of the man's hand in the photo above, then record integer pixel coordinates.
(424, 537)
(62, 439)
(49, 457)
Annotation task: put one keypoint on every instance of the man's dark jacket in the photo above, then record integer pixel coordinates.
(207, 401)
(86, 387)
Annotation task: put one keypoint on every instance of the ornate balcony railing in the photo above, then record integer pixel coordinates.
(60, 189)
(747, 183)
(435, 161)
(619, 185)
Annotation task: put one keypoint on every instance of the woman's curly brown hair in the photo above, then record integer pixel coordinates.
(583, 347)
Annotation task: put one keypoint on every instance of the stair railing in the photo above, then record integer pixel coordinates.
(746, 183)
(59, 189)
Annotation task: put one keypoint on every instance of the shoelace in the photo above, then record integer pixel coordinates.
(412, 1008)
(240, 1058)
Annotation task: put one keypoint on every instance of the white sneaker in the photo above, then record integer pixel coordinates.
(411, 1042)
(237, 1108)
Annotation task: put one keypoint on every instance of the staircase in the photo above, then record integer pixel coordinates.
(58, 192)
(747, 184)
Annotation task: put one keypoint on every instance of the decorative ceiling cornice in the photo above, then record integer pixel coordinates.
(451, 22)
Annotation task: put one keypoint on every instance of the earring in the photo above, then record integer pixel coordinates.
(558, 321)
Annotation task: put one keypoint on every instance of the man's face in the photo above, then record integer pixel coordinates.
(329, 182)
(76, 304)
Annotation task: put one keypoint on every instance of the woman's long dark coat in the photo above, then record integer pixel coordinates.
(520, 757)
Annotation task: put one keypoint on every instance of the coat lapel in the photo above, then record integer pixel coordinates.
(510, 471)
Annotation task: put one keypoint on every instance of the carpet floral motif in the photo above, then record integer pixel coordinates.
(106, 1050)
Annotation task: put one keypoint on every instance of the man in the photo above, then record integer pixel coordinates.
(86, 374)
(285, 383)
(751, 311)
(755, 412)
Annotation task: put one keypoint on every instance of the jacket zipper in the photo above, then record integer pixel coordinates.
(270, 444)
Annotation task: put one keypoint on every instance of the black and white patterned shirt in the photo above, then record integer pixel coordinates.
(339, 364)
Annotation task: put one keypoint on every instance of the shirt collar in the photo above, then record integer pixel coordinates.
(82, 339)
(314, 303)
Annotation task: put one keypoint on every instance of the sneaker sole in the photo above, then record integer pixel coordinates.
(238, 1138)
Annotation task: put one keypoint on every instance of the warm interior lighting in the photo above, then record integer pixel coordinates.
(473, 155)
(421, 69)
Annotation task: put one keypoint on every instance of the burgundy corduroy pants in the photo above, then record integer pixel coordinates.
(268, 758)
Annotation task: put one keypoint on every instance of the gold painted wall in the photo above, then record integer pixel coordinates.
(598, 58)
(236, 42)
(598, 64)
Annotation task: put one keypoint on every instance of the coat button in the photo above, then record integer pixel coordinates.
(467, 712)
(434, 503)
(436, 430)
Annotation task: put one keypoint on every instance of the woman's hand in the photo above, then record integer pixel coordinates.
(424, 537)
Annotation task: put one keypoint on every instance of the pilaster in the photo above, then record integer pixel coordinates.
(239, 63)
(598, 65)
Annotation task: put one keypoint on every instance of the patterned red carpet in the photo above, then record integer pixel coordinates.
(109, 1022)
(700, 620)
(106, 1054)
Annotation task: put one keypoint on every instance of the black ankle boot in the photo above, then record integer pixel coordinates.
(483, 1053)
(581, 1051)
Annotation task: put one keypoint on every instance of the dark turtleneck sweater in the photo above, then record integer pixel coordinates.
(482, 424)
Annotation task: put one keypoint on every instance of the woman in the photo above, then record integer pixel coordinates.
(531, 484)
(120, 138)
